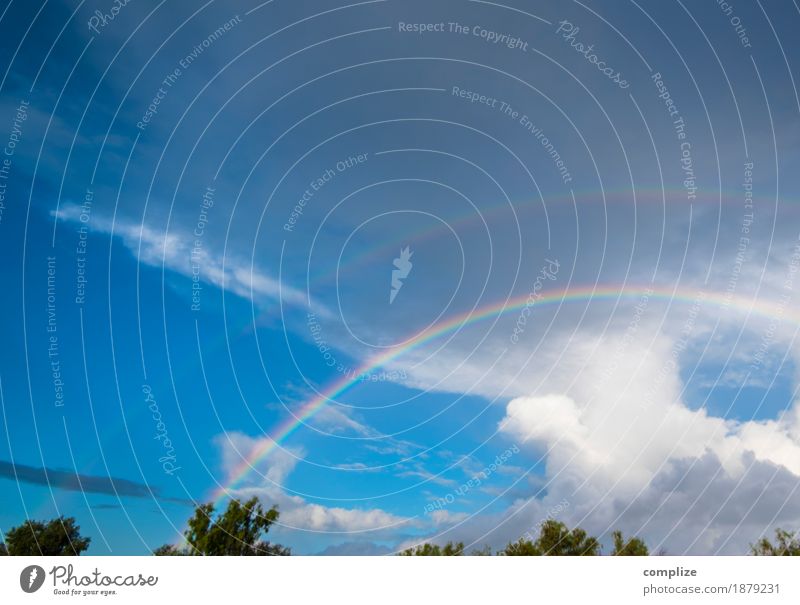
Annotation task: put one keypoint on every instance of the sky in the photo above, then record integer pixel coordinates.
(410, 271)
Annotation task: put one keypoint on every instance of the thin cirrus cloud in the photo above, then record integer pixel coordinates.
(173, 249)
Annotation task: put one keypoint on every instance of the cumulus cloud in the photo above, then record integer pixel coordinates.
(628, 445)
(637, 421)
(608, 417)
(696, 506)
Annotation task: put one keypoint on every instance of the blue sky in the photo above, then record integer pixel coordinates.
(252, 172)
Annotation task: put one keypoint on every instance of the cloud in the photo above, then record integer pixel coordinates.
(296, 512)
(418, 471)
(76, 482)
(315, 517)
(235, 447)
(628, 450)
(629, 428)
(445, 517)
(176, 250)
(697, 507)
(608, 418)
(339, 420)
(353, 466)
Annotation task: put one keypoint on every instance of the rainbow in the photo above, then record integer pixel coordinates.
(554, 297)
(642, 195)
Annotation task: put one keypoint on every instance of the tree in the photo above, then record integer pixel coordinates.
(238, 531)
(633, 547)
(434, 550)
(521, 548)
(788, 544)
(57, 537)
(555, 539)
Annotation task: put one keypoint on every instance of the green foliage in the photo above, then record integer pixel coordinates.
(633, 547)
(521, 548)
(788, 544)
(57, 537)
(434, 550)
(555, 539)
(238, 531)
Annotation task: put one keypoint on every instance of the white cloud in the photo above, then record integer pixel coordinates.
(620, 444)
(174, 249)
(612, 445)
(320, 518)
(296, 512)
(446, 517)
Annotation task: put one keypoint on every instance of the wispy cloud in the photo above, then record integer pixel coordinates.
(175, 250)
(297, 513)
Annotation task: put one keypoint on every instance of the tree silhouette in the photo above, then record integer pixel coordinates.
(57, 537)
(238, 531)
(788, 544)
